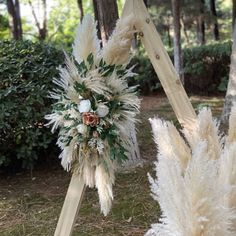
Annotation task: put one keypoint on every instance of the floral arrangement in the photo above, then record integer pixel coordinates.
(196, 178)
(94, 107)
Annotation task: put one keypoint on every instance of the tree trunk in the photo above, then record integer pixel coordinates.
(215, 22)
(201, 23)
(80, 5)
(42, 30)
(177, 39)
(146, 2)
(184, 30)
(107, 15)
(95, 8)
(233, 13)
(231, 89)
(13, 8)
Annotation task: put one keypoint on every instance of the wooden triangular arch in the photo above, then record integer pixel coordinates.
(171, 85)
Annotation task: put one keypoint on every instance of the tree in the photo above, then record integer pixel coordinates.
(42, 28)
(177, 39)
(230, 97)
(81, 9)
(13, 8)
(215, 22)
(95, 8)
(233, 13)
(106, 13)
(201, 23)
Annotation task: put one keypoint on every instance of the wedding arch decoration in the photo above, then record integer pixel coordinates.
(94, 105)
(94, 108)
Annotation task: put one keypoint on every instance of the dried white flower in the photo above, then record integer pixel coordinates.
(84, 106)
(102, 110)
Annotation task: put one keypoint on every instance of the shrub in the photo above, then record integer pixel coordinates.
(206, 69)
(26, 72)
(146, 77)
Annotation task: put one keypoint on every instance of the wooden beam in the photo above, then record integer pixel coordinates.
(71, 206)
(163, 65)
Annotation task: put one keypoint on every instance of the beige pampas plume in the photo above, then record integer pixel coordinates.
(227, 177)
(116, 51)
(104, 181)
(86, 40)
(206, 130)
(232, 125)
(89, 174)
(169, 141)
(228, 164)
(195, 200)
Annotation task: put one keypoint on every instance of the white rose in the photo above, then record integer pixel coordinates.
(102, 110)
(84, 106)
(82, 129)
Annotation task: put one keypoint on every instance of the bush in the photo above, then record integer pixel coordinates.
(206, 70)
(26, 71)
(146, 77)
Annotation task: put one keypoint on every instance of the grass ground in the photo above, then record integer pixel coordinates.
(30, 205)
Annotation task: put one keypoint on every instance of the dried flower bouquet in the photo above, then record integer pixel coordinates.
(94, 107)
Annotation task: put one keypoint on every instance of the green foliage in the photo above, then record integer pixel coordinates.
(26, 71)
(146, 78)
(63, 20)
(206, 69)
(4, 27)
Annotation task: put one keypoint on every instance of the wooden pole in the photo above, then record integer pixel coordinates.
(71, 206)
(163, 66)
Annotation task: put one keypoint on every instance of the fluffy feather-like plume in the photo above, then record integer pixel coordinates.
(206, 129)
(232, 126)
(172, 145)
(86, 40)
(104, 180)
(227, 172)
(192, 198)
(116, 51)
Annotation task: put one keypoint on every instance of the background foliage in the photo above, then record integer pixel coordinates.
(27, 70)
(206, 70)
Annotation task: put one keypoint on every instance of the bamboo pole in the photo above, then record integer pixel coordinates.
(71, 206)
(163, 66)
